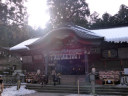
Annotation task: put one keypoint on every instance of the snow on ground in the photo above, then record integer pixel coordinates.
(12, 91)
(120, 85)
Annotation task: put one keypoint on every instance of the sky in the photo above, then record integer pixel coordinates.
(102, 6)
(39, 16)
(38, 13)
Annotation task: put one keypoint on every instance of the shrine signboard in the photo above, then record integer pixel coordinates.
(66, 54)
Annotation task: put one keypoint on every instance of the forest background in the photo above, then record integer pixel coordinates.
(14, 26)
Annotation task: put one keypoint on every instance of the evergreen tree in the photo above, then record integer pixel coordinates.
(108, 21)
(75, 11)
(12, 12)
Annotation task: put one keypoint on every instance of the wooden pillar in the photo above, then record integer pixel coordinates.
(46, 64)
(105, 64)
(86, 63)
(121, 64)
(86, 68)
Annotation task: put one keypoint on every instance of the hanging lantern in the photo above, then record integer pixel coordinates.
(79, 56)
(52, 57)
(85, 51)
(55, 57)
(69, 56)
(63, 57)
(72, 56)
(66, 56)
(58, 57)
(75, 56)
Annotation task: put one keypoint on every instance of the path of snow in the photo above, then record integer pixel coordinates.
(12, 91)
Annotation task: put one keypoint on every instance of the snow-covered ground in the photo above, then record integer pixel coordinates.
(12, 91)
(120, 85)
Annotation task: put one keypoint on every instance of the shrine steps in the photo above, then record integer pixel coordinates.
(100, 89)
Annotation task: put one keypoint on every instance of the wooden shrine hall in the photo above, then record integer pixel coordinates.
(66, 49)
(72, 51)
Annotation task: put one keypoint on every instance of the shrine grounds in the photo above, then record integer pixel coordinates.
(12, 91)
(62, 94)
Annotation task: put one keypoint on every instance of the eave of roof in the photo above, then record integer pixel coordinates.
(119, 34)
(79, 31)
(23, 45)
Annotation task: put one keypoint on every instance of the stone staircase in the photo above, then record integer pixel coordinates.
(100, 89)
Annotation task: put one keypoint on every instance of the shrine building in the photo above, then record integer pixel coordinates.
(67, 49)
(72, 51)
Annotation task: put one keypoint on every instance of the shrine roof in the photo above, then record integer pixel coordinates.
(119, 34)
(79, 31)
(23, 45)
(112, 34)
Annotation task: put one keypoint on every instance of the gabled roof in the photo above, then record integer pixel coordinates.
(81, 32)
(119, 34)
(23, 45)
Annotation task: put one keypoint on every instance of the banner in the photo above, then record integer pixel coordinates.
(67, 51)
(64, 56)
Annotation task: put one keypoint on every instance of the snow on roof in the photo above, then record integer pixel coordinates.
(85, 33)
(113, 34)
(23, 44)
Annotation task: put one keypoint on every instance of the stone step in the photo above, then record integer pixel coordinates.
(101, 90)
(113, 93)
(65, 91)
(86, 90)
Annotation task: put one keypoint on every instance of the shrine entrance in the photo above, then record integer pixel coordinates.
(68, 62)
(71, 67)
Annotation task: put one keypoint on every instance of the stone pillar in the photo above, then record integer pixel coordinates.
(92, 79)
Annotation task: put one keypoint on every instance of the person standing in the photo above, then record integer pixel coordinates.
(18, 81)
(54, 77)
(58, 77)
(1, 85)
